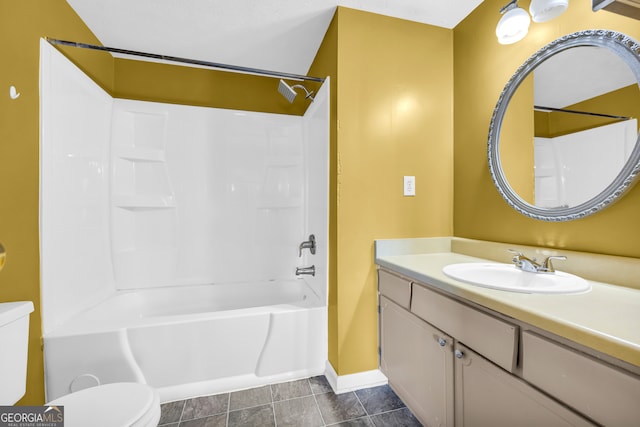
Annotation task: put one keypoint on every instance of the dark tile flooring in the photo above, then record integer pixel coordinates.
(303, 403)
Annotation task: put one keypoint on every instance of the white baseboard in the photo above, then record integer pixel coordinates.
(345, 383)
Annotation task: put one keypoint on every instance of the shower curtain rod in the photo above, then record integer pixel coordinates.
(236, 68)
(586, 113)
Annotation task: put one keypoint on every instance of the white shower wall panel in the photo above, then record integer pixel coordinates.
(204, 195)
(565, 165)
(76, 268)
(137, 194)
(316, 154)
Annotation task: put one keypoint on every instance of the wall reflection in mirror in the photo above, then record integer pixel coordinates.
(566, 133)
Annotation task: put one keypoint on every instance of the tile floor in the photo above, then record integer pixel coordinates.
(303, 403)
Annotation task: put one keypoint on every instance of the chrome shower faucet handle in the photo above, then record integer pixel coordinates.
(308, 244)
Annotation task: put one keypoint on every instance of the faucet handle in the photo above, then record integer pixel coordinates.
(516, 253)
(547, 267)
(525, 263)
(519, 256)
(308, 244)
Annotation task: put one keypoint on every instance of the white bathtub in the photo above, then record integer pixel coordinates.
(192, 340)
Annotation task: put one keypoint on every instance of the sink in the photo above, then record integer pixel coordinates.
(507, 277)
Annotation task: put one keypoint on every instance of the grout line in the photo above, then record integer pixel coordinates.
(228, 409)
(184, 405)
(324, 423)
(273, 406)
(351, 419)
(360, 402)
(273, 410)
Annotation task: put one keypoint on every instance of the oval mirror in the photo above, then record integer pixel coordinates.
(563, 140)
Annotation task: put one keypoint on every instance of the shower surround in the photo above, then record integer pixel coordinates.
(169, 240)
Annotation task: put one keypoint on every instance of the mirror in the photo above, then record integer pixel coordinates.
(563, 141)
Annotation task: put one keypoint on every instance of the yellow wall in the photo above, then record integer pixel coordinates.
(22, 23)
(150, 81)
(393, 101)
(482, 67)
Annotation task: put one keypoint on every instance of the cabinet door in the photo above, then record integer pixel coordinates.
(487, 396)
(418, 360)
(608, 395)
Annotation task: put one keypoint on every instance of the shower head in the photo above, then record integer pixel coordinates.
(290, 93)
(286, 91)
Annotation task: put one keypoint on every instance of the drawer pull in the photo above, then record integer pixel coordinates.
(458, 354)
(442, 342)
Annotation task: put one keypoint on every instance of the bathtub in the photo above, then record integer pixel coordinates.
(189, 341)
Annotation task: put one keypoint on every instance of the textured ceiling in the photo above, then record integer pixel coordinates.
(276, 35)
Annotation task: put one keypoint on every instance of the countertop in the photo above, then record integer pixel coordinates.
(606, 319)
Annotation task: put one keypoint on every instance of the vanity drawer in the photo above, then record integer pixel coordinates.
(608, 395)
(495, 339)
(395, 288)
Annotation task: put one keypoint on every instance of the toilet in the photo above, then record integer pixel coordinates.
(108, 405)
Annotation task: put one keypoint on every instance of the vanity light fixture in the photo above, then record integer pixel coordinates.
(513, 25)
(546, 10)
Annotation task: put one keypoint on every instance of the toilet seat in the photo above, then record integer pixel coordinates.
(111, 405)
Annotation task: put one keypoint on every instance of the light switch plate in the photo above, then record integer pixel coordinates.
(409, 185)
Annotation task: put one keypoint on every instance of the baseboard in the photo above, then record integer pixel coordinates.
(345, 383)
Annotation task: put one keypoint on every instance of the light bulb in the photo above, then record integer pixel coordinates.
(546, 10)
(513, 26)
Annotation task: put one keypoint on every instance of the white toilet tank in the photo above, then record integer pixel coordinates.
(14, 343)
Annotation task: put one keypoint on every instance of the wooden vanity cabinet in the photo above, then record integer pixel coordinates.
(418, 361)
(416, 357)
(451, 363)
(603, 392)
(486, 395)
(492, 337)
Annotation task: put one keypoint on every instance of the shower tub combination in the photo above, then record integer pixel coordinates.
(193, 340)
(170, 238)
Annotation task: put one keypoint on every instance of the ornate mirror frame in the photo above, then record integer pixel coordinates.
(629, 51)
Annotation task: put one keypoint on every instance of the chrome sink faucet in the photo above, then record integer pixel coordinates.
(524, 263)
(529, 264)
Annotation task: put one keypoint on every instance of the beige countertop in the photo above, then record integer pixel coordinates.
(606, 319)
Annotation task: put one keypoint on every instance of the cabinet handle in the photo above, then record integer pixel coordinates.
(442, 342)
(458, 354)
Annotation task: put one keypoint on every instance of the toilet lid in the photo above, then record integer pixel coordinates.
(111, 405)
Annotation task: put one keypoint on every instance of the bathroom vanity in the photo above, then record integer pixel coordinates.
(557, 348)
(463, 355)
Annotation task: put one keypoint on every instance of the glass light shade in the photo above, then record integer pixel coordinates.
(546, 10)
(513, 26)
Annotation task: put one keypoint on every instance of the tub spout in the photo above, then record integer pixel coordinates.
(306, 270)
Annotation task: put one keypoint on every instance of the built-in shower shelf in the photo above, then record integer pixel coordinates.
(144, 201)
(140, 154)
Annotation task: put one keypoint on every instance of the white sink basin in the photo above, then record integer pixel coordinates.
(507, 277)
